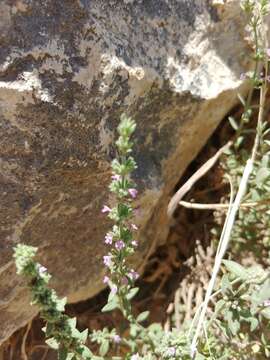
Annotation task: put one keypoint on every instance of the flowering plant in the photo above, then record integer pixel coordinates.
(120, 238)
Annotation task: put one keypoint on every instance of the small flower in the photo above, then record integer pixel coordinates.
(133, 275)
(119, 245)
(134, 227)
(135, 357)
(114, 289)
(266, 302)
(134, 243)
(133, 193)
(116, 339)
(106, 280)
(268, 52)
(116, 177)
(108, 239)
(42, 270)
(124, 281)
(107, 260)
(106, 209)
(243, 76)
(170, 351)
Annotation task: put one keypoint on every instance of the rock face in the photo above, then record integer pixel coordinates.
(68, 69)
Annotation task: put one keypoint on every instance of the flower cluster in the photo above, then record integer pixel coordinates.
(120, 239)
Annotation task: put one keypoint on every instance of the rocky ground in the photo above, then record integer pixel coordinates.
(175, 277)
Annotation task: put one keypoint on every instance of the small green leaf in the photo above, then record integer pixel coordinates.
(52, 343)
(60, 304)
(104, 347)
(219, 306)
(132, 293)
(72, 322)
(263, 294)
(84, 335)
(262, 175)
(266, 313)
(143, 316)
(86, 353)
(234, 326)
(134, 330)
(225, 284)
(233, 123)
(236, 269)
(110, 306)
(253, 324)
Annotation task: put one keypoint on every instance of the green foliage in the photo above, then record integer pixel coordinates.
(60, 330)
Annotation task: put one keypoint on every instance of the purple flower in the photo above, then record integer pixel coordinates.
(108, 239)
(133, 275)
(116, 177)
(106, 209)
(119, 245)
(116, 339)
(266, 303)
(170, 351)
(42, 270)
(125, 281)
(114, 289)
(107, 259)
(106, 279)
(134, 243)
(133, 193)
(243, 76)
(134, 227)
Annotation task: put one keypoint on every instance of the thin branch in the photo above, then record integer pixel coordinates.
(194, 178)
(23, 350)
(217, 206)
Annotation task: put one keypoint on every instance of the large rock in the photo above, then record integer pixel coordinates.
(68, 70)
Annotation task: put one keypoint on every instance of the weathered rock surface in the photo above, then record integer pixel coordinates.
(68, 69)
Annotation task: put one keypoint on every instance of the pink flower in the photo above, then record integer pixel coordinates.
(106, 209)
(106, 280)
(114, 289)
(116, 339)
(268, 52)
(119, 245)
(125, 281)
(266, 303)
(116, 177)
(134, 243)
(243, 76)
(134, 227)
(171, 351)
(133, 275)
(133, 193)
(107, 260)
(42, 270)
(108, 239)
